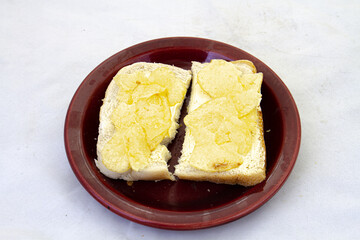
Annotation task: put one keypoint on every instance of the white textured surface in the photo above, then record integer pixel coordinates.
(48, 47)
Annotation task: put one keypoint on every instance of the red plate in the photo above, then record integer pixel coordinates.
(181, 204)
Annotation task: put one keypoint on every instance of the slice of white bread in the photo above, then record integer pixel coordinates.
(157, 168)
(251, 171)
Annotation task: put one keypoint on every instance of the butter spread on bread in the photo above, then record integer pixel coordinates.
(138, 119)
(224, 140)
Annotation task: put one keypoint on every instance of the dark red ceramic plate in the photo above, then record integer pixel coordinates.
(182, 204)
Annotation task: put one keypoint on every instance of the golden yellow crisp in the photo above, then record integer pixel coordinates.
(166, 78)
(221, 137)
(154, 116)
(223, 128)
(126, 149)
(219, 78)
(142, 118)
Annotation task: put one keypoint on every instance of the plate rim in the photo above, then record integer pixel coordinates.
(176, 225)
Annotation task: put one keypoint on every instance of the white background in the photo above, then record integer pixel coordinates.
(48, 47)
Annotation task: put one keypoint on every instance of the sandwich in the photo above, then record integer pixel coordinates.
(224, 141)
(138, 119)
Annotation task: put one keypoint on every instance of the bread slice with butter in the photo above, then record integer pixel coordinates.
(138, 119)
(224, 140)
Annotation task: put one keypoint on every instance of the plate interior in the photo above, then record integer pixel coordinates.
(181, 195)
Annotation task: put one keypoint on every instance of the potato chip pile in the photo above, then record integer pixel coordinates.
(223, 128)
(142, 118)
